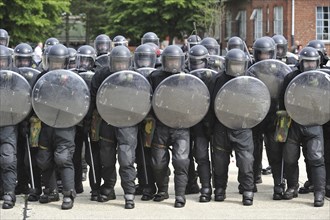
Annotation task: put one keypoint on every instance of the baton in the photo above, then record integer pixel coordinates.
(30, 161)
(143, 157)
(91, 155)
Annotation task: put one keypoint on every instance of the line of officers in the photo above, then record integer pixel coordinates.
(143, 150)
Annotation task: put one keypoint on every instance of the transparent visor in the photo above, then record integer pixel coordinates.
(4, 62)
(281, 51)
(22, 61)
(103, 47)
(55, 63)
(146, 40)
(119, 63)
(236, 68)
(84, 63)
(264, 55)
(213, 50)
(197, 63)
(172, 64)
(4, 41)
(144, 60)
(309, 65)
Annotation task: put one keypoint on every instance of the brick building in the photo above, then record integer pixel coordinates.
(297, 20)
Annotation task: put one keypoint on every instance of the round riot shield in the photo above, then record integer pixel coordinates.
(325, 70)
(87, 77)
(216, 63)
(204, 74)
(307, 98)
(272, 73)
(29, 74)
(145, 71)
(60, 98)
(124, 98)
(181, 100)
(243, 102)
(15, 101)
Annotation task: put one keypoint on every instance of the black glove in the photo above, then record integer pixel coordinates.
(86, 127)
(24, 128)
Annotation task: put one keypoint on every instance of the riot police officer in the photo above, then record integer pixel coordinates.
(164, 136)
(102, 46)
(211, 45)
(51, 42)
(8, 145)
(4, 37)
(309, 137)
(115, 140)
(144, 56)
(56, 145)
(193, 40)
(72, 58)
(227, 139)
(23, 55)
(150, 37)
(120, 40)
(282, 49)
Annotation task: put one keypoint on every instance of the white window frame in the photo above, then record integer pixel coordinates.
(322, 30)
(278, 20)
(256, 16)
(241, 19)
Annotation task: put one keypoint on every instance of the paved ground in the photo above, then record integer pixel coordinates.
(264, 207)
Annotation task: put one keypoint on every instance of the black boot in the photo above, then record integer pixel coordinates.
(68, 199)
(129, 201)
(205, 195)
(94, 195)
(160, 196)
(247, 198)
(34, 195)
(318, 199)
(49, 196)
(9, 200)
(219, 194)
(327, 191)
(180, 202)
(307, 188)
(148, 193)
(291, 192)
(106, 194)
(278, 192)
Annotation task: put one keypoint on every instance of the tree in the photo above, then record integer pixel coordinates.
(31, 21)
(173, 18)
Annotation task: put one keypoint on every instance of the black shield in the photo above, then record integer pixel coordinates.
(15, 101)
(243, 102)
(307, 98)
(181, 100)
(29, 74)
(272, 73)
(124, 98)
(60, 98)
(145, 71)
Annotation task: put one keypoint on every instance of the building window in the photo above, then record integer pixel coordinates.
(256, 16)
(278, 20)
(228, 24)
(323, 23)
(241, 21)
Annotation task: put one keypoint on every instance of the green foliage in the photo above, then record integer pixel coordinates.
(33, 20)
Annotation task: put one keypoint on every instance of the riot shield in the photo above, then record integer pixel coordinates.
(102, 60)
(29, 74)
(272, 73)
(216, 63)
(124, 98)
(87, 76)
(15, 101)
(243, 102)
(60, 98)
(145, 71)
(307, 98)
(204, 74)
(325, 70)
(181, 100)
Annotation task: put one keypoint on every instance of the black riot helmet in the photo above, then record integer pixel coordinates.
(86, 56)
(50, 42)
(309, 59)
(5, 58)
(193, 40)
(281, 46)
(264, 48)
(172, 59)
(150, 37)
(23, 55)
(211, 45)
(72, 58)
(120, 59)
(102, 44)
(144, 56)
(120, 40)
(197, 57)
(320, 47)
(235, 42)
(4, 37)
(236, 62)
(58, 57)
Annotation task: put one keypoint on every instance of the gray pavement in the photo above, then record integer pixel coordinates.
(263, 208)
